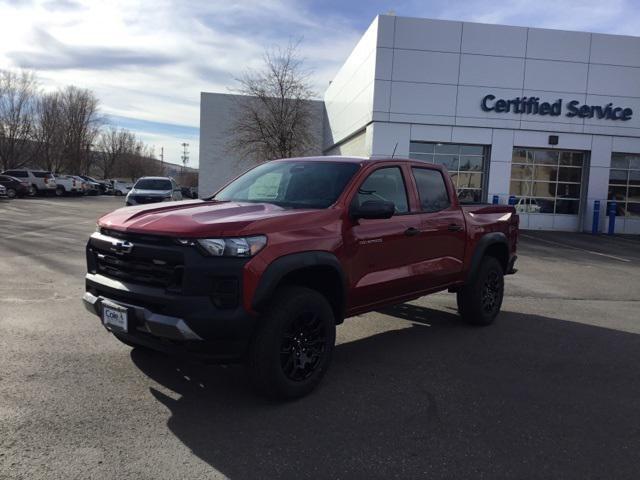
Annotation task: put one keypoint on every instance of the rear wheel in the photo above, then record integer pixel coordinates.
(11, 193)
(118, 193)
(480, 301)
(60, 192)
(292, 347)
(33, 190)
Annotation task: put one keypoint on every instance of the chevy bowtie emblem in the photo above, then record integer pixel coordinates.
(121, 247)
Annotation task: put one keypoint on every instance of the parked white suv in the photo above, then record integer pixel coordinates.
(154, 189)
(39, 180)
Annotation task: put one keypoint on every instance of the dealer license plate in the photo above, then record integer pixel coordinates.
(114, 317)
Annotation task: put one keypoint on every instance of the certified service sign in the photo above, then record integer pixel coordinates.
(533, 106)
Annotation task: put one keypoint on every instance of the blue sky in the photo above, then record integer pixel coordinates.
(148, 60)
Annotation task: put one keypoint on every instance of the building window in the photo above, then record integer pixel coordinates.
(624, 184)
(546, 181)
(465, 163)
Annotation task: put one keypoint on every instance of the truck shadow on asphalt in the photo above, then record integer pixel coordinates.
(530, 396)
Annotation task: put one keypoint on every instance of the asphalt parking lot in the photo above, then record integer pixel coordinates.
(552, 390)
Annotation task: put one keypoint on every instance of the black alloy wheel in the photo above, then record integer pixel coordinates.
(293, 343)
(480, 300)
(491, 293)
(303, 346)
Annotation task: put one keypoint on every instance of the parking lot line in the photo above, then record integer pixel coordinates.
(551, 242)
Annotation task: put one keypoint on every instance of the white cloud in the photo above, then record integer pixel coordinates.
(150, 59)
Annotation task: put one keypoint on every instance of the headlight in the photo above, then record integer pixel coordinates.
(233, 247)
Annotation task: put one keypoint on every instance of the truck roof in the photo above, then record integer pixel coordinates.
(349, 159)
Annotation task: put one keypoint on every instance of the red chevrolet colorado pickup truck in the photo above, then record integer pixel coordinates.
(265, 269)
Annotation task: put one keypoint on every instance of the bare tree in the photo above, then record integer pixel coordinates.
(18, 94)
(141, 162)
(49, 131)
(81, 127)
(273, 117)
(115, 147)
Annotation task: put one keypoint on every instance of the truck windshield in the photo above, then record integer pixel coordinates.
(153, 184)
(295, 184)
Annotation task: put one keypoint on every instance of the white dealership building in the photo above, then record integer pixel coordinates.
(546, 119)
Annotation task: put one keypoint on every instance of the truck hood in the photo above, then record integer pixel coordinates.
(202, 218)
(150, 193)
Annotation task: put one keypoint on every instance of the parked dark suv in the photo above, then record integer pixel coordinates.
(15, 187)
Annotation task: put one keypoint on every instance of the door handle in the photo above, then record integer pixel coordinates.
(454, 227)
(411, 232)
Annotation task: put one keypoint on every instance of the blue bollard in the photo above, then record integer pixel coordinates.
(596, 217)
(512, 200)
(613, 207)
(496, 199)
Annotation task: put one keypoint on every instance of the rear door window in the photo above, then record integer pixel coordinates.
(17, 173)
(431, 189)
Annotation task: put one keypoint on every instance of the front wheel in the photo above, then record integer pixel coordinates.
(11, 193)
(118, 193)
(480, 301)
(292, 347)
(60, 192)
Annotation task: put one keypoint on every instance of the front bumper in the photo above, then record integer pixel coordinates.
(183, 326)
(146, 199)
(198, 310)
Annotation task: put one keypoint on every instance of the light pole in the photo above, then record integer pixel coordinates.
(185, 156)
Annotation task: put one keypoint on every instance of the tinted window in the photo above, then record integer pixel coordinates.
(384, 184)
(431, 189)
(291, 184)
(153, 184)
(42, 174)
(17, 173)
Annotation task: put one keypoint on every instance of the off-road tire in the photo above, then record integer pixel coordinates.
(479, 302)
(298, 330)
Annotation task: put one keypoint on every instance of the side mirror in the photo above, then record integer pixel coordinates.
(372, 209)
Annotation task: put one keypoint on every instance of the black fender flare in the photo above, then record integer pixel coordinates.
(484, 243)
(286, 264)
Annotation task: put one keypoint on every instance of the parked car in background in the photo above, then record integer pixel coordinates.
(90, 187)
(153, 190)
(119, 188)
(101, 185)
(189, 192)
(15, 187)
(68, 184)
(3, 191)
(39, 181)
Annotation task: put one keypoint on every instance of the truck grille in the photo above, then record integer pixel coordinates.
(147, 271)
(142, 199)
(153, 260)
